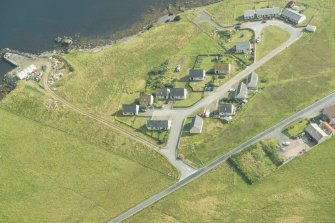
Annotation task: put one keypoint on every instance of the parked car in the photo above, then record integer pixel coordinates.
(286, 143)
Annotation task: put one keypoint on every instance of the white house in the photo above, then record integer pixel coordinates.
(293, 16)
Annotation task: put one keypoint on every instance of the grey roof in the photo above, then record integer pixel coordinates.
(252, 80)
(132, 108)
(178, 92)
(226, 108)
(267, 11)
(316, 132)
(163, 92)
(243, 46)
(197, 124)
(197, 73)
(249, 13)
(158, 124)
(292, 15)
(242, 91)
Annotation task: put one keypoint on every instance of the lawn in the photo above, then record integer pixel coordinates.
(294, 129)
(301, 191)
(192, 98)
(291, 81)
(48, 175)
(272, 37)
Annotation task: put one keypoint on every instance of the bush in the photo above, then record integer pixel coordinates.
(177, 18)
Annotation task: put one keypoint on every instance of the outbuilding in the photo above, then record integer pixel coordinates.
(316, 133)
(310, 28)
(197, 124)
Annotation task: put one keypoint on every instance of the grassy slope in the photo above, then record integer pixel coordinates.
(272, 37)
(103, 81)
(309, 62)
(49, 176)
(301, 191)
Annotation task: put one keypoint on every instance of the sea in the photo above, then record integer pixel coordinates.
(32, 25)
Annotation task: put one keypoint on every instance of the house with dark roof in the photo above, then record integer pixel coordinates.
(243, 47)
(197, 75)
(316, 133)
(197, 123)
(163, 93)
(267, 13)
(146, 100)
(252, 81)
(293, 16)
(241, 92)
(158, 125)
(178, 93)
(130, 110)
(227, 110)
(223, 68)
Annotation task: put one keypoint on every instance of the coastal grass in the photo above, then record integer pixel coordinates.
(47, 175)
(290, 82)
(272, 37)
(301, 191)
(30, 101)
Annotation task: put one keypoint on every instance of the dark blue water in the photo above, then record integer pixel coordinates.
(32, 25)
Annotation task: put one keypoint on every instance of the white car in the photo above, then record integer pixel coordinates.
(286, 143)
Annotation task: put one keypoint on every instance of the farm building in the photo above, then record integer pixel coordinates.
(223, 68)
(146, 100)
(163, 93)
(252, 81)
(227, 110)
(243, 47)
(178, 93)
(267, 13)
(157, 125)
(314, 131)
(26, 72)
(249, 14)
(130, 110)
(197, 124)
(197, 75)
(293, 16)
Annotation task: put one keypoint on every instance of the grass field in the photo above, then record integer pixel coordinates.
(47, 175)
(272, 37)
(301, 191)
(294, 79)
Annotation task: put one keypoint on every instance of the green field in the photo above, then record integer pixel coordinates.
(47, 175)
(301, 191)
(272, 37)
(290, 82)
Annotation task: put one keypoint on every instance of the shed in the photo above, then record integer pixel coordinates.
(197, 124)
(310, 28)
(316, 133)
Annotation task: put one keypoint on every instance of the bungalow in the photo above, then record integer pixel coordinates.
(293, 16)
(163, 93)
(252, 81)
(227, 110)
(178, 93)
(249, 14)
(197, 75)
(130, 110)
(157, 125)
(146, 100)
(222, 69)
(241, 92)
(316, 133)
(197, 124)
(243, 47)
(267, 13)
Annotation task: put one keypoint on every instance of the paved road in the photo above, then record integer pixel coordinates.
(179, 115)
(307, 112)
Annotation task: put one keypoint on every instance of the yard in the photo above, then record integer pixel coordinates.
(290, 82)
(296, 128)
(301, 191)
(45, 172)
(272, 37)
